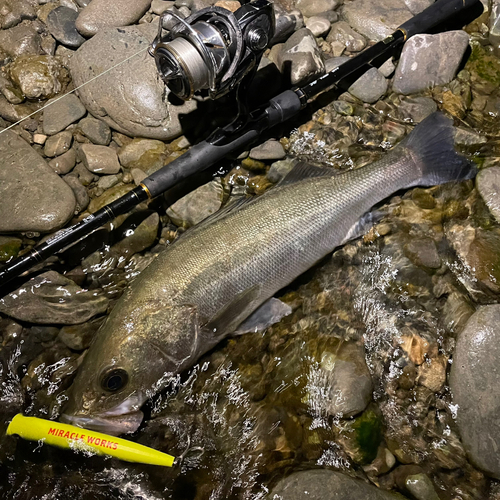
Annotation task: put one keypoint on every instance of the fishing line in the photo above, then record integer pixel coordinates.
(71, 91)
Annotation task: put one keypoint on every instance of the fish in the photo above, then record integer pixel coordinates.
(221, 275)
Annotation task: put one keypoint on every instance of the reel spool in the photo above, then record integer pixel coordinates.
(213, 49)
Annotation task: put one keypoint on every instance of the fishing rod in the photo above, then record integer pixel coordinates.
(217, 51)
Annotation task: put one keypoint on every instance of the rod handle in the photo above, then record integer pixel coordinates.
(437, 13)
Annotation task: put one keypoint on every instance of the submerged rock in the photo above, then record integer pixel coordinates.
(9, 247)
(488, 185)
(139, 106)
(327, 484)
(475, 384)
(101, 14)
(429, 60)
(32, 196)
(417, 108)
(50, 298)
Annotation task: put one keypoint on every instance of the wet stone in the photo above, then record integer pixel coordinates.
(14, 11)
(145, 154)
(270, 150)
(62, 113)
(109, 13)
(488, 185)
(475, 384)
(197, 205)
(108, 181)
(370, 87)
(58, 144)
(79, 191)
(325, 484)
(343, 37)
(109, 196)
(79, 337)
(50, 298)
(20, 40)
(423, 253)
(416, 109)
(42, 201)
(95, 130)
(100, 159)
(138, 239)
(318, 26)
(279, 169)
(65, 163)
(9, 247)
(139, 106)
(429, 60)
(300, 58)
(61, 24)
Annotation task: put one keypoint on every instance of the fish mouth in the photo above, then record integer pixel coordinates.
(108, 424)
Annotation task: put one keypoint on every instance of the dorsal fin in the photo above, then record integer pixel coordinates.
(303, 171)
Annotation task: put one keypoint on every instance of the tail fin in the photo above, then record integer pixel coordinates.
(432, 143)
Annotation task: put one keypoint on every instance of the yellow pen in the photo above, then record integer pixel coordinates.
(69, 436)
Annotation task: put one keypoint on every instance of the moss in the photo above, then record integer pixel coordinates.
(368, 434)
(9, 248)
(486, 66)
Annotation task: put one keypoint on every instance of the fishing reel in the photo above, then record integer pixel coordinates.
(213, 49)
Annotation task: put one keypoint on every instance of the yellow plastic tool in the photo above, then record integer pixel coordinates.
(69, 436)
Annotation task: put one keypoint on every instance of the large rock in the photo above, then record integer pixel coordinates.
(32, 196)
(429, 60)
(488, 185)
(322, 484)
(138, 105)
(50, 298)
(110, 13)
(475, 384)
(376, 20)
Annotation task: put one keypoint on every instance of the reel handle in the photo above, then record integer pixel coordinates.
(437, 13)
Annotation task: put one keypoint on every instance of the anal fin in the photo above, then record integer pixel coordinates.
(269, 313)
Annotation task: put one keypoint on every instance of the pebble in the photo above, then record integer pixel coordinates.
(417, 6)
(310, 8)
(370, 87)
(14, 11)
(108, 14)
(145, 154)
(79, 190)
(429, 60)
(160, 6)
(95, 130)
(279, 169)
(318, 26)
(322, 484)
(100, 159)
(38, 76)
(32, 196)
(270, 150)
(475, 385)
(231, 5)
(61, 24)
(58, 144)
(423, 253)
(65, 163)
(343, 37)
(488, 185)
(138, 175)
(9, 247)
(108, 181)
(301, 58)
(39, 139)
(139, 106)
(21, 40)
(375, 20)
(138, 239)
(388, 68)
(62, 113)
(416, 109)
(197, 205)
(50, 298)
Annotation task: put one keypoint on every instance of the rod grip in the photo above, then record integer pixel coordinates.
(437, 13)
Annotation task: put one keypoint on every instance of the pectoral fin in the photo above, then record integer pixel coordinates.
(269, 313)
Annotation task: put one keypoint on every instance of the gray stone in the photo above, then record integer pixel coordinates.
(62, 113)
(416, 109)
(137, 240)
(325, 484)
(370, 87)
(488, 185)
(50, 298)
(32, 196)
(311, 8)
(108, 181)
(279, 169)
(79, 190)
(139, 106)
(160, 6)
(145, 154)
(58, 144)
(65, 163)
(270, 150)
(300, 58)
(475, 384)
(79, 337)
(335, 62)
(429, 60)
(11, 93)
(14, 11)
(109, 14)
(375, 20)
(421, 487)
(197, 205)
(423, 253)
(20, 40)
(417, 6)
(95, 130)
(318, 26)
(343, 37)
(61, 24)
(468, 137)
(388, 68)
(100, 159)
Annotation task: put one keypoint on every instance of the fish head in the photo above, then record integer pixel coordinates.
(132, 357)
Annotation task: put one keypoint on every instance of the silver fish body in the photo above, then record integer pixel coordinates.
(208, 282)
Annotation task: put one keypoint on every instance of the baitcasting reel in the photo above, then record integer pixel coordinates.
(212, 49)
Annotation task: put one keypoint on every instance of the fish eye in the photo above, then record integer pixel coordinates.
(114, 380)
